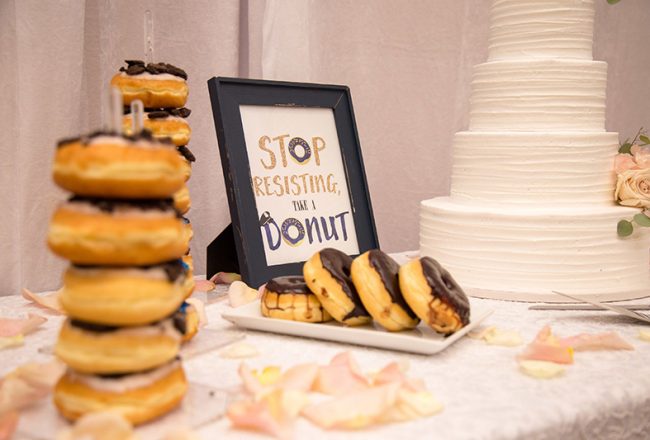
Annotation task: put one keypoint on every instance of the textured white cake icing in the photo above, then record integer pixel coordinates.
(532, 95)
(531, 207)
(549, 29)
(522, 168)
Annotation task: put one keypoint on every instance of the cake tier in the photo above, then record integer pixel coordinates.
(527, 253)
(541, 29)
(529, 168)
(550, 95)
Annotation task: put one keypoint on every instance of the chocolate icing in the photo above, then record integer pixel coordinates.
(292, 284)
(173, 269)
(110, 205)
(186, 153)
(153, 113)
(338, 265)
(86, 139)
(388, 270)
(179, 318)
(136, 67)
(445, 288)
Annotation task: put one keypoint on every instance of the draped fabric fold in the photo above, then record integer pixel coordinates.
(408, 65)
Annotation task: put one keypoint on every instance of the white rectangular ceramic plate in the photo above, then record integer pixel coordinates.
(422, 339)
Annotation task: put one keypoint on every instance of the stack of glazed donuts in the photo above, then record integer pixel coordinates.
(163, 90)
(124, 288)
(370, 287)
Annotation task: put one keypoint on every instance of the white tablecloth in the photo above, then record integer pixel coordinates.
(604, 395)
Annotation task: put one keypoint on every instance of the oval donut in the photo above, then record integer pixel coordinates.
(171, 127)
(117, 232)
(123, 295)
(182, 200)
(286, 224)
(108, 165)
(139, 397)
(289, 298)
(292, 150)
(101, 349)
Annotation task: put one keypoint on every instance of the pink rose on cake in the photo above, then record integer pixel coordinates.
(632, 167)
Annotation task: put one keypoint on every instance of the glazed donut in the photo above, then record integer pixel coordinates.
(101, 349)
(327, 273)
(157, 85)
(182, 201)
(289, 298)
(187, 164)
(434, 295)
(163, 124)
(117, 232)
(111, 165)
(123, 296)
(292, 150)
(375, 275)
(288, 239)
(139, 397)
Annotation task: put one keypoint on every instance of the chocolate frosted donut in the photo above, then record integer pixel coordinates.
(434, 295)
(375, 276)
(327, 273)
(289, 298)
(157, 85)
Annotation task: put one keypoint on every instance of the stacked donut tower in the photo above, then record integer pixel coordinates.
(125, 287)
(163, 90)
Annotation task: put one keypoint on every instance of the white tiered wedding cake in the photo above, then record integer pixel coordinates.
(531, 209)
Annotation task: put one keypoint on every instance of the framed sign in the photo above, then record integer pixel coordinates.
(293, 171)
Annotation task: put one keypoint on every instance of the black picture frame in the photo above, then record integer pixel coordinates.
(226, 96)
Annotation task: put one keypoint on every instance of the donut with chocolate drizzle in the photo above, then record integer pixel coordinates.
(327, 274)
(434, 295)
(289, 298)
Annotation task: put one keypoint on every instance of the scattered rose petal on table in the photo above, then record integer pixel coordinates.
(239, 293)
(596, 341)
(354, 410)
(270, 375)
(49, 301)
(497, 336)
(104, 425)
(299, 378)
(545, 347)
(273, 413)
(225, 278)
(20, 326)
(239, 350)
(411, 405)
(8, 424)
(28, 383)
(541, 369)
(644, 335)
(340, 376)
(204, 286)
(199, 306)
(11, 341)
(182, 434)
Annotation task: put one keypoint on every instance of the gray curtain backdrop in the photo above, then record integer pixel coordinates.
(408, 64)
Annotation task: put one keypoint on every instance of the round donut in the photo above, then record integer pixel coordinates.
(157, 85)
(289, 298)
(123, 296)
(292, 150)
(117, 232)
(434, 295)
(327, 274)
(163, 125)
(182, 201)
(288, 239)
(101, 349)
(109, 165)
(139, 397)
(375, 275)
